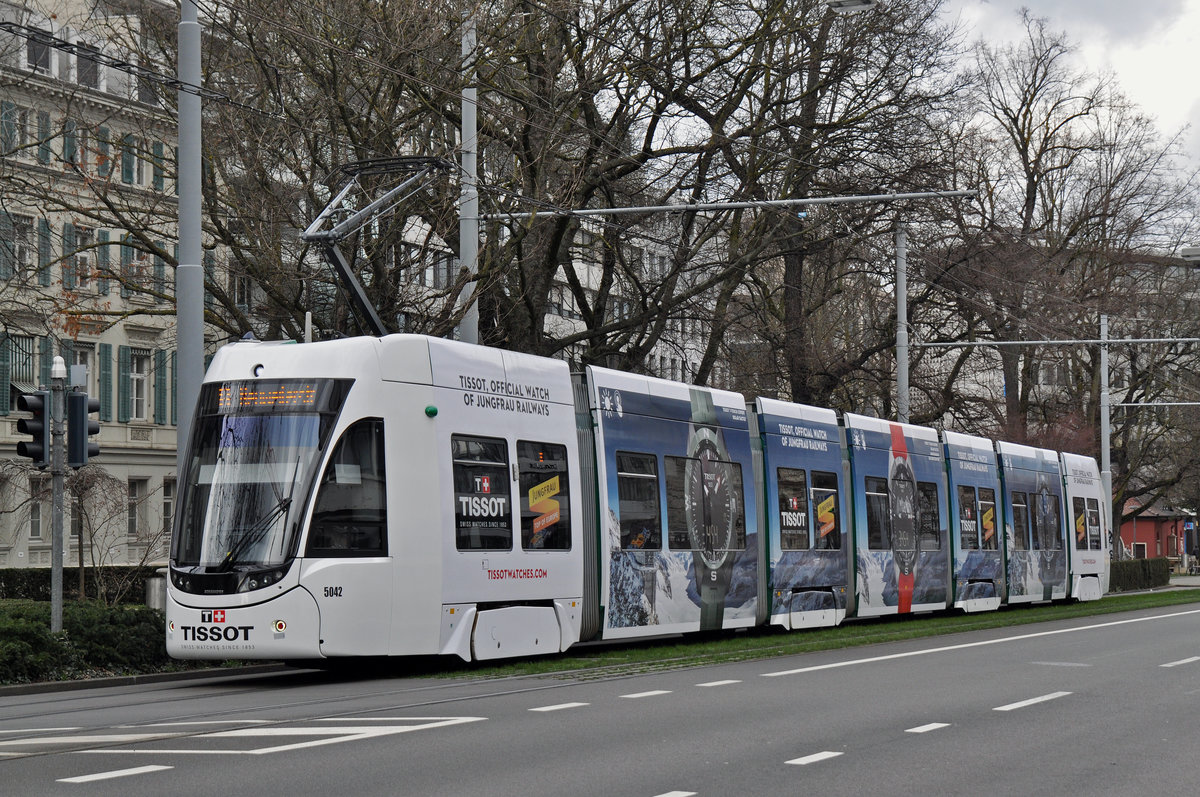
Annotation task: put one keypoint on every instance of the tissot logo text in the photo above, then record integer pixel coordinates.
(216, 633)
(215, 616)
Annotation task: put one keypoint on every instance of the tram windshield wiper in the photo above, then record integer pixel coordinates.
(251, 536)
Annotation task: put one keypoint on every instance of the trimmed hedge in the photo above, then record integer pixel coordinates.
(123, 584)
(1128, 575)
(96, 640)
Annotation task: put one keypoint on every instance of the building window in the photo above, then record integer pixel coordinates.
(85, 354)
(240, 288)
(37, 518)
(137, 494)
(37, 55)
(22, 371)
(87, 71)
(22, 246)
(85, 239)
(139, 369)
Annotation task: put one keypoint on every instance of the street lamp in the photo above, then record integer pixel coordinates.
(850, 6)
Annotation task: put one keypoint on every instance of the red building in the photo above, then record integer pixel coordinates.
(1159, 530)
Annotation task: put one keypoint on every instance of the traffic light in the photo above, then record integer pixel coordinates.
(80, 427)
(37, 449)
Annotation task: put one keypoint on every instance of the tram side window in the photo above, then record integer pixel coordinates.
(1020, 507)
(718, 509)
(827, 536)
(545, 496)
(793, 509)
(968, 522)
(482, 512)
(930, 516)
(350, 514)
(1079, 512)
(1093, 521)
(879, 529)
(638, 502)
(987, 519)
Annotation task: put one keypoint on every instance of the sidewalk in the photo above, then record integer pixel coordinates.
(1185, 581)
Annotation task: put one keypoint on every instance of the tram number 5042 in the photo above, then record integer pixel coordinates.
(333, 592)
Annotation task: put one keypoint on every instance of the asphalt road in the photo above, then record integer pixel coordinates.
(1098, 706)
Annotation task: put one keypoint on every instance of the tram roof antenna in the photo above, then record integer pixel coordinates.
(420, 172)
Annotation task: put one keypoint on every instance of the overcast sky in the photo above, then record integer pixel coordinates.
(1152, 46)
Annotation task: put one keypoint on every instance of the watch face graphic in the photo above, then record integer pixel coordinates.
(902, 499)
(710, 505)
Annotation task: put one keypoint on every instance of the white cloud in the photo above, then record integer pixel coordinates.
(1151, 47)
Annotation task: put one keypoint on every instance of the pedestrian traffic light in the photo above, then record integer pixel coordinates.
(37, 449)
(80, 427)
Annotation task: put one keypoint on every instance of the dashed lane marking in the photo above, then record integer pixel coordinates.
(559, 707)
(814, 758)
(1031, 701)
(1181, 662)
(933, 726)
(651, 693)
(720, 683)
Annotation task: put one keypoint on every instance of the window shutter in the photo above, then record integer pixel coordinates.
(126, 266)
(68, 263)
(160, 386)
(210, 275)
(174, 392)
(5, 375)
(127, 158)
(103, 265)
(8, 127)
(43, 133)
(160, 270)
(69, 154)
(43, 245)
(124, 385)
(104, 358)
(45, 359)
(6, 246)
(104, 168)
(159, 171)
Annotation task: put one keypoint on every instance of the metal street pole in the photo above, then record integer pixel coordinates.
(189, 273)
(468, 207)
(58, 379)
(901, 323)
(1105, 439)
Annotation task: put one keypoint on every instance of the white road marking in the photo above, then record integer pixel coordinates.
(1060, 664)
(559, 707)
(677, 794)
(326, 736)
(36, 730)
(720, 683)
(651, 693)
(965, 645)
(116, 773)
(1181, 661)
(933, 726)
(814, 758)
(1031, 701)
(198, 722)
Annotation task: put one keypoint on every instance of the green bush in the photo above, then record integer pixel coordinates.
(115, 584)
(1128, 575)
(96, 640)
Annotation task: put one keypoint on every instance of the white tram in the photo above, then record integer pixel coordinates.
(406, 495)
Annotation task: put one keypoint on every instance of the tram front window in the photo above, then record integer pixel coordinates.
(249, 474)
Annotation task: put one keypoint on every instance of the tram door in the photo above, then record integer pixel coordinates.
(346, 561)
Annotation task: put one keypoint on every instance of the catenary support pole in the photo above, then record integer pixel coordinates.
(1106, 440)
(189, 273)
(468, 207)
(901, 323)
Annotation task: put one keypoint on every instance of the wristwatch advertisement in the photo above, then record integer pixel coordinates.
(902, 498)
(710, 507)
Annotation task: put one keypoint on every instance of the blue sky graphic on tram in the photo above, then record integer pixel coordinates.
(902, 538)
(808, 548)
(649, 455)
